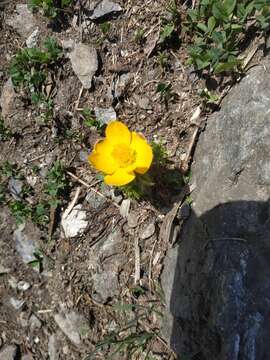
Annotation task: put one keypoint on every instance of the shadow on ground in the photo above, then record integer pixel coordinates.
(217, 284)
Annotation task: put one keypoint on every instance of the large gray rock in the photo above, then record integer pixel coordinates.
(216, 281)
(103, 8)
(9, 352)
(23, 21)
(84, 61)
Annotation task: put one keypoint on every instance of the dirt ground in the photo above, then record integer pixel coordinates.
(83, 290)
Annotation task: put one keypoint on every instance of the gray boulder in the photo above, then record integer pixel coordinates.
(216, 280)
(23, 21)
(84, 61)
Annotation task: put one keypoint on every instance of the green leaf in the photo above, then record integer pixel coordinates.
(219, 12)
(229, 6)
(211, 24)
(228, 66)
(202, 27)
(166, 32)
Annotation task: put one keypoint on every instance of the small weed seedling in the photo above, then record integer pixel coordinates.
(132, 339)
(166, 93)
(5, 133)
(105, 28)
(91, 121)
(30, 68)
(162, 60)
(139, 36)
(56, 183)
(170, 27)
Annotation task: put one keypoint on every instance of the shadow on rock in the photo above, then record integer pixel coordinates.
(217, 284)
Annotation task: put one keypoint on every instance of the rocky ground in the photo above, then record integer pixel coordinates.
(81, 279)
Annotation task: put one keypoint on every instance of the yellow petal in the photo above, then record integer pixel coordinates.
(118, 133)
(144, 153)
(103, 147)
(119, 178)
(101, 157)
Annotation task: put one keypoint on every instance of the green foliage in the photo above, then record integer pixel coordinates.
(2, 193)
(38, 262)
(20, 210)
(172, 9)
(162, 59)
(56, 183)
(5, 133)
(105, 28)
(139, 36)
(166, 93)
(216, 26)
(130, 339)
(8, 169)
(90, 120)
(40, 213)
(169, 28)
(160, 155)
(166, 32)
(29, 70)
(50, 8)
(207, 97)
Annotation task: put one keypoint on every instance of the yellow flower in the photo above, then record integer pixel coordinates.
(121, 154)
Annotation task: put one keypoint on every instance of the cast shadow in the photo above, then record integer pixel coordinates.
(217, 284)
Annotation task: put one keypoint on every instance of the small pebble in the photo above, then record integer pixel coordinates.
(148, 231)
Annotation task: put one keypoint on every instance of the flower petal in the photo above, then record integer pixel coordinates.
(144, 153)
(119, 178)
(118, 133)
(103, 147)
(101, 157)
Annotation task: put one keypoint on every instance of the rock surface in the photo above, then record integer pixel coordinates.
(84, 62)
(218, 306)
(106, 286)
(7, 98)
(26, 241)
(102, 9)
(73, 325)
(23, 22)
(75, 222)
(9, 353)
(104, 116)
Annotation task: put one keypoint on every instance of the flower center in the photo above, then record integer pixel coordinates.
(123, 155)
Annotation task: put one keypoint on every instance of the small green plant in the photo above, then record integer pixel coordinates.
(56, 183)
(159, 152)
(208, 97)
(30, 68)
(216, 28)
(20, 210)
(40, 213)
(50, 8)
(166, 93)
(90, 120)
(139, 36)
(105, 28)
(166, 32)
(171, 26)
(8, 169)
(5, 133)
(162, 60)
(173, 10)
(38, 262)
(2, 193)
(131, 339)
